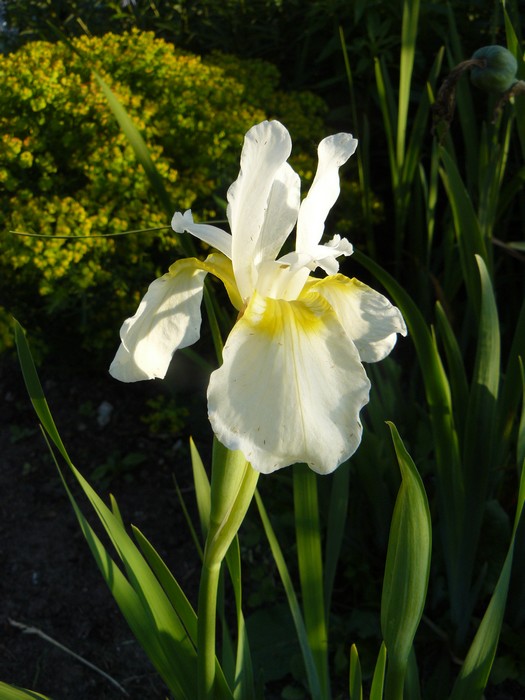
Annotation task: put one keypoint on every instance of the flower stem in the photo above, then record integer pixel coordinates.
(206, 629)
(308, 533)
(232, 487)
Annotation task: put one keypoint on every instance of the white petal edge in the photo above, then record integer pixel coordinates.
(333, 152)
(290, 388)
(366, 315)
(212, 235)
(168, 318)
(266, 147)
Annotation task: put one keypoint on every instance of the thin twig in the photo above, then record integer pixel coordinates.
(74, 237)
(34, 630)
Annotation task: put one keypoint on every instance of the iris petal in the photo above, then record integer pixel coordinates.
(265, 150)
(367, 316)
(212, 235)
(167, 318)
(333, 152)
(290, 388)
(281, 214)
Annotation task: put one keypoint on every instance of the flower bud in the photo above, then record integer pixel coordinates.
(499, 72)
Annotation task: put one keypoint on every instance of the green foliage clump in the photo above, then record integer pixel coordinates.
(67, 169)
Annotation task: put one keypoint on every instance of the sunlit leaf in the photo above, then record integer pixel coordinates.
(407, 569)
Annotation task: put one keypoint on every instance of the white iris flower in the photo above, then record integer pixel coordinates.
(292, 383)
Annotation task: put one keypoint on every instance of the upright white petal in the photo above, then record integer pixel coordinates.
(367, 316)
(212, 235)
(290, 388)
(333, 152)
(281, 214)
(266, 147)
(167, 318)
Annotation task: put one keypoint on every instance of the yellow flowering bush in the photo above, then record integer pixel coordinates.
(67, 169)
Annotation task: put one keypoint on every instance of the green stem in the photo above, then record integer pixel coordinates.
(395, 680)
(308, 534)
(233, 484)
(206, 628)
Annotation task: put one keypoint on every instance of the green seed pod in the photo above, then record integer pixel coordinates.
(499, 73)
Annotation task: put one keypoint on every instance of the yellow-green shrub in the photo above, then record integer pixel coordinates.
(67, 169)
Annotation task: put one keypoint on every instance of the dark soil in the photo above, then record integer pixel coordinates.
(49, 580)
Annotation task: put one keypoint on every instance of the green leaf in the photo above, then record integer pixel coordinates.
(407, 569)
(408, 50)
(10, 692)
(171, 587)
(520, 449)
(456, 368)
(511, 391)
(355, 680)
(243, 686)
(378, 679)
(280, 561)
(142, 600)
(445, 437)
(202, 488)
(138, 144)
(34, 389)
(475, 671)
(467, 228)
(480, 446)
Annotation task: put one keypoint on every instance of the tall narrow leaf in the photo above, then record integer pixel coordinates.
(476, 668)
(355, 681)
(295, 610)
(479, 445)
(407, 570)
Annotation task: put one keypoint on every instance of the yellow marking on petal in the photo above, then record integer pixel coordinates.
(271, 316)
(220, 266)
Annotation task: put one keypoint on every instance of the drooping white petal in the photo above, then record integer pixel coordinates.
(266, 147)
(367, 316)
(212, 235)
(167, 318)
(333, 152)
(290, 388)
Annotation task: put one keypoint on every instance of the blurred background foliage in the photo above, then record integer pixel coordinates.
(204, 74)
(66, 168)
